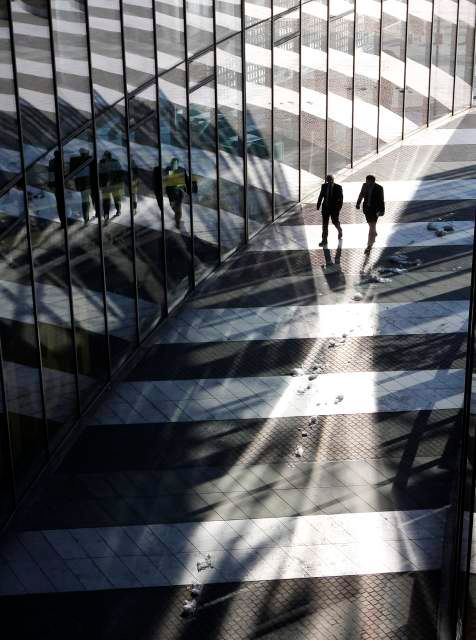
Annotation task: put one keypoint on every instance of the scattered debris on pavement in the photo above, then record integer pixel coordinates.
(205, 564)
(339, 398)
(299, 452)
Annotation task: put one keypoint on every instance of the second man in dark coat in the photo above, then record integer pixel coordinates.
(374, 206)
(331, 198)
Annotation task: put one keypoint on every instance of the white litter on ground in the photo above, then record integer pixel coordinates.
(358, 297)
(298, 371)
(312, 377)
(331, 344)
(196, 590)
(205, 564)
(299, 452)
(304, 434)
(313, 420)
(189, 608)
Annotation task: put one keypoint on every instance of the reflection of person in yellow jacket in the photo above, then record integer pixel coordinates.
(111, 183)
(176, 181)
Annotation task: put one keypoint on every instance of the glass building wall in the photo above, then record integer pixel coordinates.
(143, 141)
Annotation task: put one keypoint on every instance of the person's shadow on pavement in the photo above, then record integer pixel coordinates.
(332, 269)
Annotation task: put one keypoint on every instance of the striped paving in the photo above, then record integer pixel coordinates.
(356, 236)
(211, 445)
(221, 551)
(282, 396)
(316, 321)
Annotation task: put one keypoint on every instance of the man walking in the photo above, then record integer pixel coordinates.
(374, 206)
(331, 198)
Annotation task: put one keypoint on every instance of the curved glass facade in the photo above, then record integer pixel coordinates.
(143, 141)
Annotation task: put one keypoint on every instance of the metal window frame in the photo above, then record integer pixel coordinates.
(455, 66)
(328, 36)
(352, 126)
(129, 171)
(28, 236)
(244, 124)
(379, 86)
(98, 192)
(273, 204)
(217, 157)
(186, 62)
(405, 60)
(159, 156)
(300, 106)
(65, 230)
(428, 118)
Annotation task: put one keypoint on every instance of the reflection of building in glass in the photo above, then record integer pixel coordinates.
(121, 187)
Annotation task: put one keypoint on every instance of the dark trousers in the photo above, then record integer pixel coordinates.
(371, 217)
(334, 217)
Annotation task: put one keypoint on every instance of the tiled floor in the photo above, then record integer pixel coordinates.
(297, 420)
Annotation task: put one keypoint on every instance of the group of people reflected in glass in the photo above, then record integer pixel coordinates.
(80, 177)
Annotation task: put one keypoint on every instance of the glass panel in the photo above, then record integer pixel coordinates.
(230, 144)
(19, 341)
(139, 39)
(175, 171)
(71, 60)
(286, 124)
(282, 5)
(117, 234)
(393, 70)
(6, 476)
(227, 17)
(313, 94)
(82, 205)
(201, 69)
(169, 33)
(258, 125)
(288, 25)
(443, 58)
(465, 54)
(204, 178)
(418, 64)
(367, 60)
(147, 203)
(106, 52)
(47, 221)
(35, 77)
(199, 25)
(256, 11)
(341, 45)
(9, 153)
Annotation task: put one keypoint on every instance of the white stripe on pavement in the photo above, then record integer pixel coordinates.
(99, 558)
(156, 401)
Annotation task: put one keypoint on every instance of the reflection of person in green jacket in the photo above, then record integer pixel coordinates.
(111, 183)
(176, 192)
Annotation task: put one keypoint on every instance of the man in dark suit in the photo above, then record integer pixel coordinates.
(331, 198)
(374, 206)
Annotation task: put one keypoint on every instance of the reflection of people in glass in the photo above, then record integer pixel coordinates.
(111, 183)
(157, 180)
(176, 180)
(55, 183)
(83, 180)
(135, 186)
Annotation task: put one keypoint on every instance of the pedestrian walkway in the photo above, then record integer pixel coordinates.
(287, 441)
